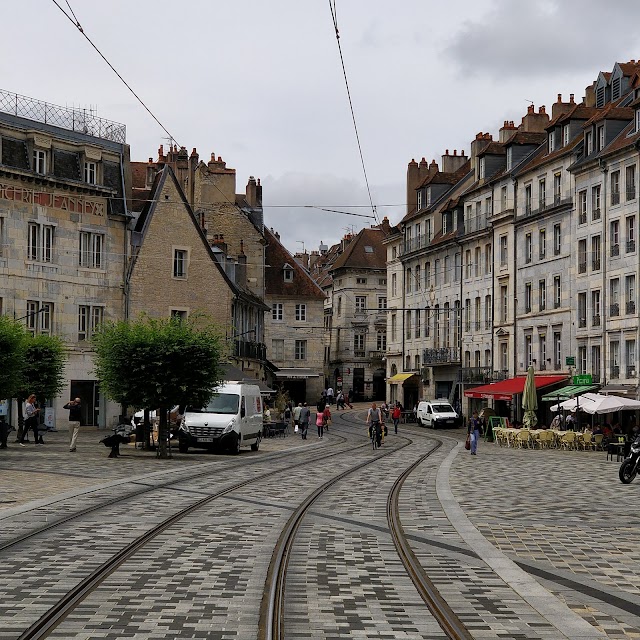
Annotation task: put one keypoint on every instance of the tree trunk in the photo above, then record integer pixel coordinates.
(163, 433)
(20, 402)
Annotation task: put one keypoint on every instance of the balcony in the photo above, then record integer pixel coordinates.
(596, 214)
(477, 325)
(631, 246)
(255, 350)
(376, 356)
(595, 265)
(615, 371)
(445, 355)
(631, 306)
(582, 323)
(615, 197)
(543, 366)
(631, 371)
(556, 303)
(595, 377)
(595, 321)
(582, 218)
(476, 375)
(614, 310)
(631, 193)
(582, 267)
(557, 366)
(359, 354)
(615, 250)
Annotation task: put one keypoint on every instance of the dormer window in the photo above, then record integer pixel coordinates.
(419, 199)
(565, 135)
(588, 143)
(288, 273)
(428, 196)
(481, 168)
(552, 142)
(40, 161)
(509, 158)
(601, 137)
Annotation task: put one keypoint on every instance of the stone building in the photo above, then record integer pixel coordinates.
(63, 233)
(294, 325)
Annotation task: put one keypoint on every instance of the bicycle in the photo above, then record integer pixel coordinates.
(376, 435)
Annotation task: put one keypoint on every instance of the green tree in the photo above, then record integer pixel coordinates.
(159, 363)
(42, 371)
(11, 356)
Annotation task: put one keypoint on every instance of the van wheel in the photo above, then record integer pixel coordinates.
(256, 445)
(235, 448)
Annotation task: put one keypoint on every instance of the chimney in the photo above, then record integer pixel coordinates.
(252, 192)
(415, 176)
(481, 142)
(534, 122)
(507, 130)
(241, 267)
(590, 96)
(385, 226)
(259, 193)
(433, 168)
(218, 241)
(451, 163)
(561, 107)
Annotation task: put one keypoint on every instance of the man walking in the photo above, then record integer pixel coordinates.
(304, 420)
(330, 396)
(475, 427)
(296, 416)
(75, 414)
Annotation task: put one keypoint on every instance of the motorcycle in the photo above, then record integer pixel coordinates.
(629, 467)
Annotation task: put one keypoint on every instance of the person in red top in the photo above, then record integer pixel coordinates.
(395, 415)
(327, 417)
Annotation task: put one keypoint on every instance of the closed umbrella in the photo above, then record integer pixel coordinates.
(530, 400)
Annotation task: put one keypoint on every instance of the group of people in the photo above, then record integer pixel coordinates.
(341, 399)
(301, 417)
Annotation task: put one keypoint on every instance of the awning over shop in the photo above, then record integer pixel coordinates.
(620, 389)
(295, 373)
(400, 378)
(570, 391)
(506, 388)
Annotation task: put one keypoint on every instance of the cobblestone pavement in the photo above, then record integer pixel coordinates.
(562, 520)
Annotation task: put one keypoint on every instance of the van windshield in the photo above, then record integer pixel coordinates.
(220, 403)
(443, 407)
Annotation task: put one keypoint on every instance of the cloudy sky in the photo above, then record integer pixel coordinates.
(260, 83)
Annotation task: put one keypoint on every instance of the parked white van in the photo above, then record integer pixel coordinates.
(231, 419)
(437, 413)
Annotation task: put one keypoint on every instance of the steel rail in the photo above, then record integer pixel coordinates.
(42, 627)
(134, 494)
(271, 618)
(440, 609)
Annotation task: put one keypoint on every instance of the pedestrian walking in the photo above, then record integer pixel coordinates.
(327, 418)
(474, 431)
(395, 416)
(340, 400)
(320, 422)
(330, 396)
(31, 412)
(296, 416)
(305, 414)
(75, 417)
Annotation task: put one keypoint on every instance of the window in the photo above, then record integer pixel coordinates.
(40, 161)
(427, 321)
(382, 303)
(467, 263)
(394, 253)
(488, 312)
(418, 278)
(467, 315)
(630, 224)
(91, 251)
(614, 354)
(287, 273)
(178, 314)
(278, 349)
(447, 269)
(276, 311)
(551, 142)
(542, 351)
(39, 317)
(588, 143)
(361, 304)
(595, 308)
(394, 284)
(542, 194)
(630, 357)
(457, 267)
(300, 351)
(595, 363)
(477, 262)
(481, 168)
(504, 356)
(596, 246)
(381, 340)
(557, 292)
(407, 325)
(361, 281)
(358, 345)
(436, 273)
(615, 188)
(557, 350)
(582, 256)
(488, 259)
(179, 263)
(614, 237)
(595, 202)
(427, 274)
(89, 319)
(527, 200)
(582, 207)
(528, 350)
(504, 301)
(339, 305)
(637, 120)
(542, 243)
(503, 198)
(542, 294)
(528, 248)
(582, 310)
(527, 297)
(394, 324)
(477, 314)
(427, 228)
(557, 188)
(614, 297)
(557, 240)
(509, 158)
(428, 198)
(565, 135)
(90, 172)
(503, 251)
(419, 199)
(630, 292)
(600, 134)
(630, 182)
(418, 323)
(582, 360)
(408, 281)
(301, 312)
(488, 208)
(39, 242)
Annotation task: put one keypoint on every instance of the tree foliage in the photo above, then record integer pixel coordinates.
(11, 356)
(44, 361)
(151, 363)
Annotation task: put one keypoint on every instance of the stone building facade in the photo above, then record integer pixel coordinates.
(63, 234)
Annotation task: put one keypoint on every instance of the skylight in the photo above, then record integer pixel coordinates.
(368, 249)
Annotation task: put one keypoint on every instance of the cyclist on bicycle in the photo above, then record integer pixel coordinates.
(374, 420)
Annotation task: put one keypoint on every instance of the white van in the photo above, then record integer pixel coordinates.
(437, 413)
(231, 419)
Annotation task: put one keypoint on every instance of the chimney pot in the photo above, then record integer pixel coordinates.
(455, 152)
(530, 109)
(446, 153)
(213, 157)
(559, 97)
(219, 158)
(150, 160)
(571, 98)
(542, 109)
(194, 152)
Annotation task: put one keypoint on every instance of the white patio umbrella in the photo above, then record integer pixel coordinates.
(576, 403)
(611, 404)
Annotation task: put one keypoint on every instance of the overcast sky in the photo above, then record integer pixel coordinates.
(260, 83)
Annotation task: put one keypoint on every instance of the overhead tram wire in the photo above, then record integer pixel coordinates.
(332, 8)
(75, 22)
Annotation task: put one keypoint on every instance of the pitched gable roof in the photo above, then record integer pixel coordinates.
(277, 256)
(357, 254)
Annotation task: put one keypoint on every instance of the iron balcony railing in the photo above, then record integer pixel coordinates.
(444, 355)
(78, 120)
(255, 350)
(615, 197)
(615, 250)
(595, 321)
(595, 265)
(477, 375)
(596, 214)
(631, 371)
(614, 309)
(582, 323)
(631, 306)
(631, 193)
(615, 371)
(582, 267)
(631, 246)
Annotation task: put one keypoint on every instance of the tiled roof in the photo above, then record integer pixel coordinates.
(526, 137)
(541, 158)
(577, 112)
(626, 138)
(447, 178)
(610, 112)
(139, 174)
(302, 285)
(356, 256)
(629, 68)
(441, 238)
(493, 148)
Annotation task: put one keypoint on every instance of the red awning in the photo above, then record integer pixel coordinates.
(506, 388)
